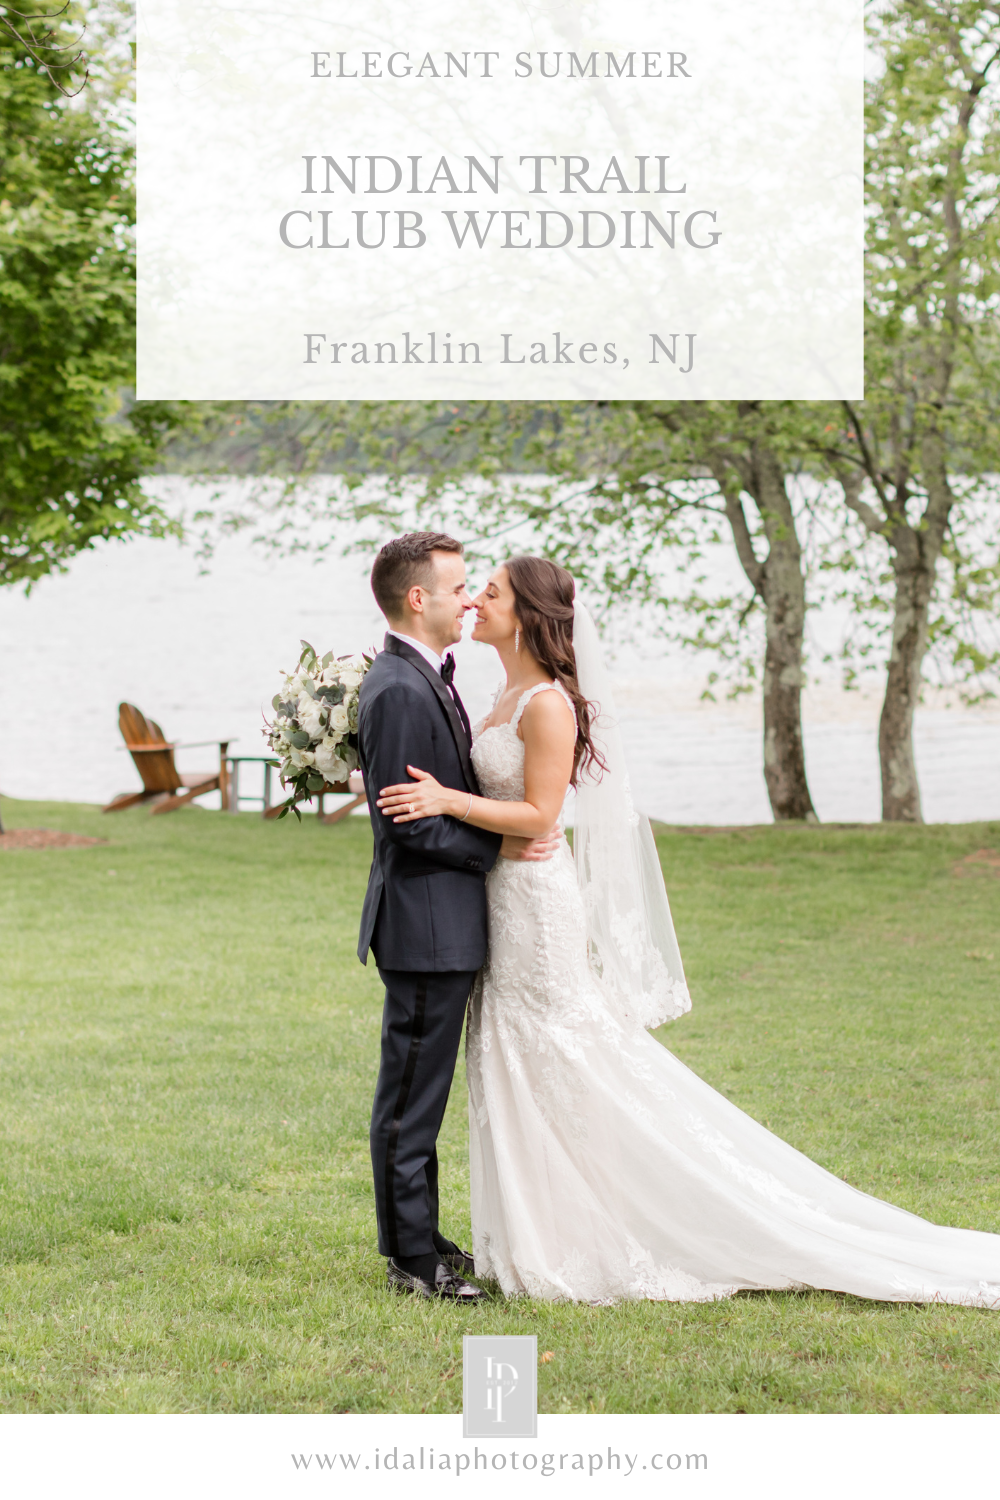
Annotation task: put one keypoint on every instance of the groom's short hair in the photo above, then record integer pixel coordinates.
(404, 561)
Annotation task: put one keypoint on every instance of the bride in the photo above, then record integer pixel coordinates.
(601, 1166)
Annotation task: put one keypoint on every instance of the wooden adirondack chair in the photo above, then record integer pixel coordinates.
(356, 786)
(153, 754)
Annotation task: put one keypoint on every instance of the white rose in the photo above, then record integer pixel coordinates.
(328, 761)
(338, 719)
(300, 759)
(325, 754)
(350, 678)
(330, 676)
(310, 710)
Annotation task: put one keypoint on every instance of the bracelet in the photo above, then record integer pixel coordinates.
(467, 810)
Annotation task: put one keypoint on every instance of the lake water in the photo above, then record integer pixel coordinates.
(201, 654)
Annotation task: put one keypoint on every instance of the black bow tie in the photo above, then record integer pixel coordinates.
(448, 670)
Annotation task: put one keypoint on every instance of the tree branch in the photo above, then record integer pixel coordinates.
(31, 43)
(736, 516)
(869, 463)
(851, 484)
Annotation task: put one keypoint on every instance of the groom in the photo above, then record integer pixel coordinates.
(424, 915)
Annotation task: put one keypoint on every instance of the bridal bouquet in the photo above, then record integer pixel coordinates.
(315, 725)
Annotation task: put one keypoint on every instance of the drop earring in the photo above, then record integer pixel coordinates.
(517, 640)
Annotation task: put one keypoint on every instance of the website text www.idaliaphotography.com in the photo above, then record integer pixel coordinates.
(456, 1464)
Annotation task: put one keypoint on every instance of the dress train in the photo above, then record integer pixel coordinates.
(603, 1168)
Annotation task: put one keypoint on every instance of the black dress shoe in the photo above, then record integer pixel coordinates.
(447, 1284)
(459, 1260)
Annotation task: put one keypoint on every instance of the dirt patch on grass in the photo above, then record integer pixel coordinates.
(44, 838)
(982, 862)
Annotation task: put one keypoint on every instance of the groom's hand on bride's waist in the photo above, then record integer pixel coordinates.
(531, 849)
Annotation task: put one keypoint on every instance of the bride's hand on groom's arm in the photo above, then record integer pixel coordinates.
(427, 798)
(518, 822)
(421, 798)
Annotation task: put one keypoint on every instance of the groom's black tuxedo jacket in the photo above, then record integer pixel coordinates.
(425, 907)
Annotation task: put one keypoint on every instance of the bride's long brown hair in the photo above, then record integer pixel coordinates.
(543, 603)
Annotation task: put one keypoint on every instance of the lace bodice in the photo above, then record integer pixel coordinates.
(498, 753)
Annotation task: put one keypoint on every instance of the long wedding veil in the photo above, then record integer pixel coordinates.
(629, 927)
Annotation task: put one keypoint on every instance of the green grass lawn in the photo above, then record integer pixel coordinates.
(189, 1048)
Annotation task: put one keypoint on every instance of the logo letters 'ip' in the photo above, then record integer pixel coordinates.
(500, 1385)
(501, 1381)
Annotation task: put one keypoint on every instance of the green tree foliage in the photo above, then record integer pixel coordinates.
(71, 448)
(605, 486)
(917, 459)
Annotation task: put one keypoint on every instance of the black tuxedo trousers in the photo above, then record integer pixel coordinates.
(424, 919)
(421, 1029)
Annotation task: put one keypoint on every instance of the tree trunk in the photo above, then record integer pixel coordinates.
(784, 757)
(781, 587)
(914, 585)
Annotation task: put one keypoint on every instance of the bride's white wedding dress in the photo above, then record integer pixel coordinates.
(602, 1167)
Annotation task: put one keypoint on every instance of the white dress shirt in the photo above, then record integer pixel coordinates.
(428, 653)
